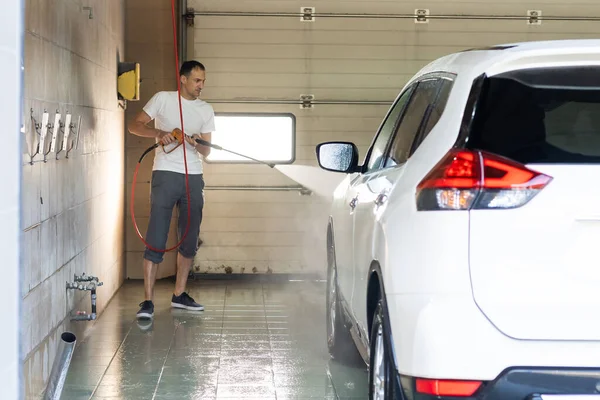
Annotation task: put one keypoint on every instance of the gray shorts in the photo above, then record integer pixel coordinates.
(168, 190)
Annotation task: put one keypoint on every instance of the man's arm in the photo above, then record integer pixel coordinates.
(139, 127)
(208, 128)
(204, 150)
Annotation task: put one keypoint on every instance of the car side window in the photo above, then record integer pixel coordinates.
(412, 121)
(434, 113)
(387, 130)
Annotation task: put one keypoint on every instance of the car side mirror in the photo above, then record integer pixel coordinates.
(338, 156)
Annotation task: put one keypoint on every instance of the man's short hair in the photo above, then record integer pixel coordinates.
(188, 66)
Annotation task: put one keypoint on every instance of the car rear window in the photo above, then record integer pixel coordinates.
(536, 118)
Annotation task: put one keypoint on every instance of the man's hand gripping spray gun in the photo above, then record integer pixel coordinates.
(178, 135)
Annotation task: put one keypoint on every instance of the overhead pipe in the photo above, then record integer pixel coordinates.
(60, 367)
(388, 16)
(300, 102)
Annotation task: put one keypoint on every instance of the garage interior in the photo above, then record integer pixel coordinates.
(260, 271)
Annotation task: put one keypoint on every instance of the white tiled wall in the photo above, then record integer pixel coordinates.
(72, 208)
(11, 28)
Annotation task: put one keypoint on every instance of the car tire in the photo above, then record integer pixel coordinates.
(381, 367)
(338, 336)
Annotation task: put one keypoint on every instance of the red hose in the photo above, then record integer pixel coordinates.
(187, 184)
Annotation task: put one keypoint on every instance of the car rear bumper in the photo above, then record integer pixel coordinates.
(448, 337)
(527, 384)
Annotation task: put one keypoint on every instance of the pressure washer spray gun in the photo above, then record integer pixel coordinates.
(177, 134)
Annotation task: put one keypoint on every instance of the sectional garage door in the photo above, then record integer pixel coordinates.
(353, 57)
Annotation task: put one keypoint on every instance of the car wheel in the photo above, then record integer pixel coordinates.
(338, 336)
(381, 375)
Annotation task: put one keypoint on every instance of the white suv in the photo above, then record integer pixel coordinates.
(464, 253)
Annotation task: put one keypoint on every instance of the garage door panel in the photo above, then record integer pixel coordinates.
(257, 239)
(346, 52)
(314, 65)
(255, 196)
(412, 37)
(338, 124)
(484, 7)
(394, 26)
(493, 7)
(308, 123)
(332, 110)
(348, 81)
(295, 5)
(254, 224)
(254, 210)
(343, 59)
(313, 138)
(271, 178)
(294, 93)
(303, 37)
(250, 253)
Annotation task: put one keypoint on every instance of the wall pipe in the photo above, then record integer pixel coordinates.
(182, 31)
(88, 317)
(60, 367)
(389, 16)
(85, 283)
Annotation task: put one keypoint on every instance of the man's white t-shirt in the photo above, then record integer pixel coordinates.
(198, 117)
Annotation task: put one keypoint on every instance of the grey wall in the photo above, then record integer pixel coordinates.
(72, 209)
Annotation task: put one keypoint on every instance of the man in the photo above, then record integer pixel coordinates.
(168, 178)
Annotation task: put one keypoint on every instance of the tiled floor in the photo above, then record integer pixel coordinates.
(254, 340)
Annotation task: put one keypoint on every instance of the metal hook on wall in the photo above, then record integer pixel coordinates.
(68, 132)
(40, 130)
(55, 127)
(91, 11)
(65, 129)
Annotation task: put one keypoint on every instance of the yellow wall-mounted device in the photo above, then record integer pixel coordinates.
(128, 81)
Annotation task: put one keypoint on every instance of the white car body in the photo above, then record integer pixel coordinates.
(472, 293)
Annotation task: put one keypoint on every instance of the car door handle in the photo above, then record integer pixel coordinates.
(380, 199)
(353, 202)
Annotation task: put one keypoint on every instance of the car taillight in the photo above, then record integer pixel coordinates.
(437, 387)
(476, 180)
